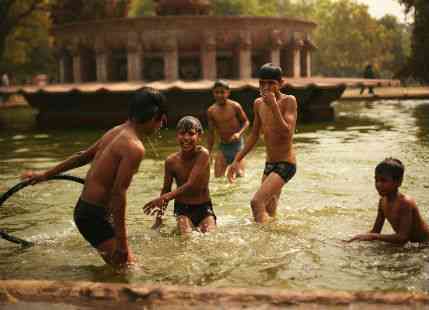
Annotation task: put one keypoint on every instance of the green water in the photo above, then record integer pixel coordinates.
(331, 197)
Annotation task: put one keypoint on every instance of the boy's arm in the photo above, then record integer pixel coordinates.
(252, 138)
(128, 166)
(76, 160)
(194, 177)
(168, 181)
(377, 227)
(379, 220)
(211, 133)
(248, 145)
(242, 117)
(286, 120)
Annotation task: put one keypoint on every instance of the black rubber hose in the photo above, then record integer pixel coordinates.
(22, 185)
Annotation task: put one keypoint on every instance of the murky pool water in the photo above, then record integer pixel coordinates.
(331, 198)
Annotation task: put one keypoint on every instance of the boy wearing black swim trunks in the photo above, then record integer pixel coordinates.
(190, 169)
(275, 116)
(100, 213)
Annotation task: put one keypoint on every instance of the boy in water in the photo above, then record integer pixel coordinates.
(190, 169)
(275, 115)
(399, 209)
(114, 159)
(230, 121)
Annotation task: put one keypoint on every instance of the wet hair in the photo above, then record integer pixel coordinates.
(188, 123)
(270, 71)
(220, 83)
(391, 167)
(147, 104)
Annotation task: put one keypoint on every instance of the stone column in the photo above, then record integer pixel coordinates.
(294, 62)
(296, 56)
(101, 60)
(62, 69)
(134, 58)
(208, 57)
(245, 56)
(306, 69)
(171, 59)
(276, 44)
(77, 64)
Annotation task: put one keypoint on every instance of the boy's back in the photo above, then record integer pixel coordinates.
(119, 147)
(403, 212)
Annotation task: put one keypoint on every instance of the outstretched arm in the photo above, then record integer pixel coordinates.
(376, 229)
(166, 188)
(76, 160)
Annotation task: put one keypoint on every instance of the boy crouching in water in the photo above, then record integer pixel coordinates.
(399, 209)
(190, 169)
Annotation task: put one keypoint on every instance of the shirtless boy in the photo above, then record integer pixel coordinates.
(190, 169)
(399, 209)
(275, 115)
(114, 159)
(228, 118)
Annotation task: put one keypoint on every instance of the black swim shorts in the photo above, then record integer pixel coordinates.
(195, 212)
(282, 168)
(93, 223)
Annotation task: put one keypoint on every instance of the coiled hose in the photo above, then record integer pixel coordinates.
(20, 186)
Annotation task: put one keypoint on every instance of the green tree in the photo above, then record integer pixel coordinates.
(142, 8)
(419, 62)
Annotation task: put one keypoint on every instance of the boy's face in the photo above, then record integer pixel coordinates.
(385, 184)
(270, 86)
(188, 139)
(221, 94)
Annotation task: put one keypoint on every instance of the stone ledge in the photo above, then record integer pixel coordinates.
(185, 297)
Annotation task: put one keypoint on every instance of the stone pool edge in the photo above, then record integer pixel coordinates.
(186, 297)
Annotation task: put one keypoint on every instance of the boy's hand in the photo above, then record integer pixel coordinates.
(232, 172)
(269, 97)
(33, 177)
(363, 237)
(156, 206)
(235, 137)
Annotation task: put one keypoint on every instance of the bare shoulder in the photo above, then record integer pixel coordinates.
(172, 158)
(233, 103)
(406, 201)
(211, 108)
(203, 152)
(289, 101)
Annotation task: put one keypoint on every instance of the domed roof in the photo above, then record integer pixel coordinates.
(183, 7)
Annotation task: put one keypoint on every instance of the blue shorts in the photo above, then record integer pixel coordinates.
(229, 150)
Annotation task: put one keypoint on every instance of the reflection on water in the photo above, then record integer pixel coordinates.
(331, 198)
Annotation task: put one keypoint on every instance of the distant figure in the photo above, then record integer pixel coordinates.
(368, 74)
(399, 209)
(229, 120)
(100, 213)
(275, 116)
(190, 169)
(5, 80)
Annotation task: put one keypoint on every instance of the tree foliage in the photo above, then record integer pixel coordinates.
(23, 33)
(419, 62)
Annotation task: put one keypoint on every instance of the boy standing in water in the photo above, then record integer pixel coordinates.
(230, 121)
(399, 209)
(275, 115)
(190, 169)
(114, 159)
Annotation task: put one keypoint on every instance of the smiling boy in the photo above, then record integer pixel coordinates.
(190, 169)
(275, 116)
(399, 209)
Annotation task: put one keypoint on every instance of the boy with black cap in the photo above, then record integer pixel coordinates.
(190, 169)
(275, 115)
